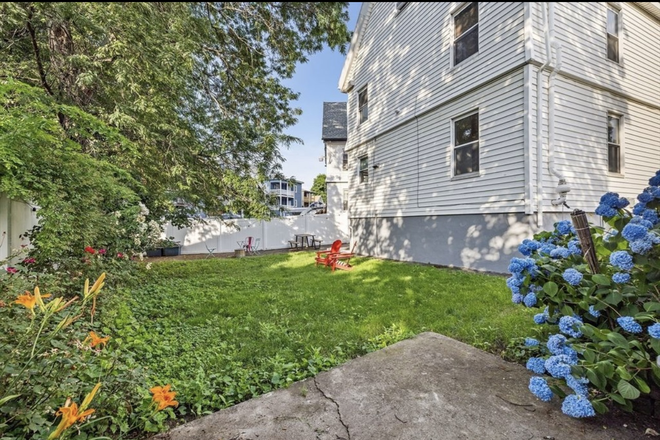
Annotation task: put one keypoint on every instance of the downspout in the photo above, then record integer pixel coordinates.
(562, 187)
(539, 119)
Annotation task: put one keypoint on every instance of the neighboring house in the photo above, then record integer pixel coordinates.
(16, 218)
(334, 137)
(308, 198)
(468, 122)
(288, 193)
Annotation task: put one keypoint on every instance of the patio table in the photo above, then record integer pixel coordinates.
(305, 240)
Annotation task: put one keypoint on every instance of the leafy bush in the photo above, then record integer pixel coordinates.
(601, 336)
(52, 354)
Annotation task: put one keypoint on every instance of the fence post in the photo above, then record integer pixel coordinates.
(581, 225)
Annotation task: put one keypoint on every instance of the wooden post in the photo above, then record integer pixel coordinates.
(581, 225)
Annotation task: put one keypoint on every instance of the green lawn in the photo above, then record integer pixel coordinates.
(223, 330)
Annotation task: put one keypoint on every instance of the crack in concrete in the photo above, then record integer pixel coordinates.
(341, 420)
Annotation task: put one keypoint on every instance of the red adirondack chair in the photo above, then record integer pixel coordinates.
(341, 260)
(324, 257)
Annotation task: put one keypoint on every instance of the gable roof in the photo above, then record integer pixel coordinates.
(334, 121)
(652, 8)
(344, 84)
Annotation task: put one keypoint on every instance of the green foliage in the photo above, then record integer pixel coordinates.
(252, 325)
(609, 317)
(185, 98)
(319, 188)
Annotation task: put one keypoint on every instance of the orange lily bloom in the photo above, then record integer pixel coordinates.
(163, 397)
(70, 415)
(96, 339)
(28, 300)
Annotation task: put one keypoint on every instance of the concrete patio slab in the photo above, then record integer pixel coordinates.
(427, 388)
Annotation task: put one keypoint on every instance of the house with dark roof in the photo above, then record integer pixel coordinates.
(334, 136)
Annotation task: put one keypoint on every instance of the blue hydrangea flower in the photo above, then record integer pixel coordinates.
(514, 283)
(651, 215)
(516, 266)
(605, 211)
(564, 227)
(629, 324)
(640, 220)
(639, 208)
(546, 249)
(621, 259)
(540, 318)
(577, 406)
(556, 344)
(569, 325)
(558, 365)
(574, 247)
(531, 342)
(579, 385)
(527, 247)
(655, 180)
(593, 312)
(535, 364)
(634, 231)
(645, 197)
(609, 199)
(539, 387)
(610, 234)
(560, 252)
(621, 277)
(517, 298)
(572, 276)
(530, 299)
(641, 246)
(654, 331)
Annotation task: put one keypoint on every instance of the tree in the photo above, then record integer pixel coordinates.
(193, 90)
(319, 187)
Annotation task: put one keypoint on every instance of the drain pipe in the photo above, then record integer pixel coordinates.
(562, 188)
(539, 119)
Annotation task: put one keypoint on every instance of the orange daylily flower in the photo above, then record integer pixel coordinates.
(96, 339)
(70, 415)
(28, 300)
(163, 397)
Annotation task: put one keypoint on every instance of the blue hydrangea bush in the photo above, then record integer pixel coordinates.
(599, 333)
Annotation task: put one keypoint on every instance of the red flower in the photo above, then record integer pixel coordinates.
(90, 250)
(29, 261)
(120, 255)
(12, 270)
(102, 251)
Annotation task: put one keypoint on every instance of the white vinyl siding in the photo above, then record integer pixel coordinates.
(414, 176)
(405, 59)
(581, 145)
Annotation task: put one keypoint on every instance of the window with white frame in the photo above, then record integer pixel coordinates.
(613, 18)
(466, 32)
(466, 144)
(344, 161)
(364, 169)
(363, 105)
(613, 144)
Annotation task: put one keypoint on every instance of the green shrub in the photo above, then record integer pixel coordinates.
(601, 338)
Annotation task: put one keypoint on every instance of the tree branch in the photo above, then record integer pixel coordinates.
(37, 55)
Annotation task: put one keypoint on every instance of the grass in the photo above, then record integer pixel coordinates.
(224, 330)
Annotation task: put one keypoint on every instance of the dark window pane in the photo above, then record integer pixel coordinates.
(465, 19)
(613, 158)
(344, 161)
(612, 130)
(467, 45)
(466, 130)
(363, 105)
(612, 48)
(612, 22)
(364, 169)
(466, 159)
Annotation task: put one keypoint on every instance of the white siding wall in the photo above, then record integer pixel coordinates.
(16, 218)
(404, 59)
(414, 176)
(581, 144)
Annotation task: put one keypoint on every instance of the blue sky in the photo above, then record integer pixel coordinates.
(316, 81)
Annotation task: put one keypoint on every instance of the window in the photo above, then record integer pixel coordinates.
(613, 144)
(344, 161)
(613, 35)
(364, 169)
(466, 145)
(345, 201)
(466, 32)
(363, 105)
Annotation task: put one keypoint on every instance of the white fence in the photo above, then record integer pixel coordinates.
(224, 236)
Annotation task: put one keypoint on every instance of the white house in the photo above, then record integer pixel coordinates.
(472, 125)
(16, 218)
(334, 135)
